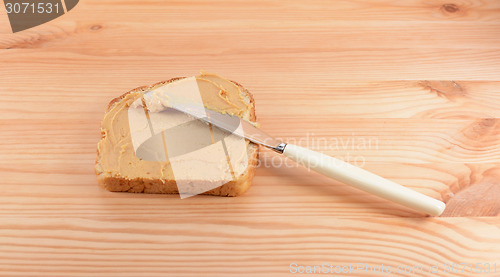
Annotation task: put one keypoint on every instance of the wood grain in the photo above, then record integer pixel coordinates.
(215, 246)
(406, 89)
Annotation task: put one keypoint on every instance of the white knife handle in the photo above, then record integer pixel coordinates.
(364, 180)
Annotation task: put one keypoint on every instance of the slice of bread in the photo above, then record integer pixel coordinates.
(109, 168)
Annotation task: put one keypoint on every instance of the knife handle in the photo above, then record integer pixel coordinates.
(364, 180)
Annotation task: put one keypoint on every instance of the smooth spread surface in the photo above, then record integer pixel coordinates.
(410, 86)
(161, 143)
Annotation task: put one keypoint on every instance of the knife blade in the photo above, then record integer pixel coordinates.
(228, 122)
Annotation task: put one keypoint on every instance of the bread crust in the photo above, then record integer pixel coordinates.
(143, 185)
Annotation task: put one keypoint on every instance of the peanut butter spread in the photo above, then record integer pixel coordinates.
(141, 140)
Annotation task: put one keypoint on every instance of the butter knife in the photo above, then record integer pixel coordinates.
(324, 164)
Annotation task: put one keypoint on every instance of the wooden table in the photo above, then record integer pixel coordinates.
(419, 80)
